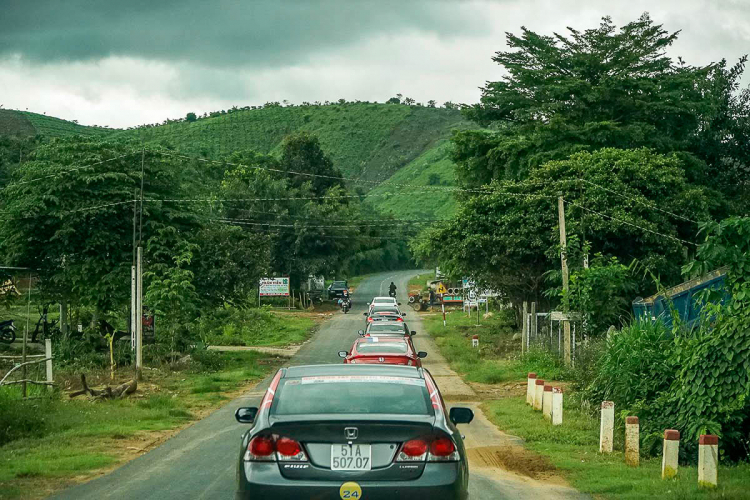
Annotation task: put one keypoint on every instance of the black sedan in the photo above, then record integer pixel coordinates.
(352, 432)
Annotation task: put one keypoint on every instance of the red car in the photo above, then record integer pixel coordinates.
(386, 350)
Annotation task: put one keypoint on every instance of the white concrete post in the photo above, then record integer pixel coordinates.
(606, 432)
(547, 402)
(557, 405)
(538, 394)
(48, 355)
(708, 460)
(670, 454)
(530, 388)
(632, 441)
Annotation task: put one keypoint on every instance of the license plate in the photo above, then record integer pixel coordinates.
(351, 457)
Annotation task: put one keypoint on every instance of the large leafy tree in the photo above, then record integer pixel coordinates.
(68, 212)
(601, 87)
(508, 236)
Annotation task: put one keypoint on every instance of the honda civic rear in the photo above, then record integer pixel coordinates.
(352, 431)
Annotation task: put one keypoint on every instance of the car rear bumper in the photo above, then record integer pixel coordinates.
(439, 481)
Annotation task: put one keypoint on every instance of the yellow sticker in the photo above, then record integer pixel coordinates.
(350, 490)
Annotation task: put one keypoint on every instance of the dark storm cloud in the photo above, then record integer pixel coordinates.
(267, 33)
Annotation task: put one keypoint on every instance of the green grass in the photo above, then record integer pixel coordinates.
(573, 446)
(496, 359)
(256, 327)
(50, 126)
(421, 280)
(74, 436)
(432, 169)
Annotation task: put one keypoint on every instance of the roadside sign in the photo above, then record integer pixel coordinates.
(274, 287)
(441, 289)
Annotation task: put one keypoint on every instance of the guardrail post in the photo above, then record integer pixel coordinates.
(607, 429)
(530, 388)
(538, 394)
(670, 454)
(632, 441)
(547, 402)
(708, 460)
(557, 406)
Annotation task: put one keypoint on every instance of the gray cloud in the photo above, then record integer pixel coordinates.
(261, 33)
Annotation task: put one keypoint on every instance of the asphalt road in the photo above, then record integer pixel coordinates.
(199, 462)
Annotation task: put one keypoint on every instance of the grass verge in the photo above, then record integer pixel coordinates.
(257, 327)
(66, 440)
(572, 448)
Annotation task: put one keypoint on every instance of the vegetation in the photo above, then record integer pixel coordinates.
(573, 450)
(44, 441)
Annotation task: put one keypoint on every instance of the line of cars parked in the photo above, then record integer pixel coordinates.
(374, 427)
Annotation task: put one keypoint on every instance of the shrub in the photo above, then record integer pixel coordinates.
(21, 419)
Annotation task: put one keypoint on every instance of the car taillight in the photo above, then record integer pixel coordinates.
(442, 449)
(413, 451)
(271, 448)
(289, 450)
(260, 448)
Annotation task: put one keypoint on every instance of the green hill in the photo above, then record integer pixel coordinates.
(25, 123)
(379, 145)
(368, 141)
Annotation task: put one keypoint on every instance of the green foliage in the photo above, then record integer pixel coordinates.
(601, 293)
(252, 327)
(636, 364)
(508, 238)
(21, 419)
(565, 94)
(50, 127)
(306, 162)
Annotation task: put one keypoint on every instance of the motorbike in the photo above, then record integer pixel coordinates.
(7, 332)
(346, 304)
(392, 293)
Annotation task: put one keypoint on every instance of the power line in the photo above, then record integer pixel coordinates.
(630, 224)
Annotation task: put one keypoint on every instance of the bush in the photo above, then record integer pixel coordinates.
(634, 365)
(22, 419)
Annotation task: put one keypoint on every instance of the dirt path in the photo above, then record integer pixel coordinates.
(497, 460)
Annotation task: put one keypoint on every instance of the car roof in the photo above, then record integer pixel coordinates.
(397, 325)
(363, 370)
(389, 299)
(382, 340)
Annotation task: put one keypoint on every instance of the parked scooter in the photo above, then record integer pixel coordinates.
(7, 332)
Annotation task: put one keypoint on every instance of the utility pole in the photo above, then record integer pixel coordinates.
(564, 262)
(139, 316)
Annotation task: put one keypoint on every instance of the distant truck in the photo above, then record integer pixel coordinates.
(683, 297)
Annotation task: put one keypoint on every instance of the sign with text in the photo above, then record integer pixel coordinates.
(274, 287)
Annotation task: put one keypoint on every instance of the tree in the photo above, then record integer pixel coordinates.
(431, 103)
(302, 156)
(69, 214)
(393, 100)
(601, 87)
(409, 101)
(191, 117)
(507, 236)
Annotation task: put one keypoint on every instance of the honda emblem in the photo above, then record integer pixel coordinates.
(351, 432)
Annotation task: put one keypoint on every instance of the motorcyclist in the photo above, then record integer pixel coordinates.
(345, 300)
(392, 289)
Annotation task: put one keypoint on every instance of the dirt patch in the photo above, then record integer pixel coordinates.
(514, 459)
(498, 391)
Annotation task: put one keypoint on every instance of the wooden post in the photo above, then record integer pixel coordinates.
(48, 355)
(532, 325)
(523, 325)
(26, 338)
(564, 264)
(139, 317)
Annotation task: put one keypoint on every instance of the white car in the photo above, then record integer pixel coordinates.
(383, 301)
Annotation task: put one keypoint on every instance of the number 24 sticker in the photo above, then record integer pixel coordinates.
(350, 490)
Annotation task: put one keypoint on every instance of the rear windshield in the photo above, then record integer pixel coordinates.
(384, 300)
(381, 347)
(381, 328)
(339, 284)
(381, 309)
(356, 394)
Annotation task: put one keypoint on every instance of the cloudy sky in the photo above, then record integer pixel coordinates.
(122, 63)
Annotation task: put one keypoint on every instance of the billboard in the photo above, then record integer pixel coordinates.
(274, 287)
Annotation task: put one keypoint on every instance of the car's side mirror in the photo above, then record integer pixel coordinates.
(403, 314)
(422, 354)
(413, 332)
(368, 303)
(461, 415)
(361, 333)
(399, 303)
(342, 354)
(364, 314)
(246, 415)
